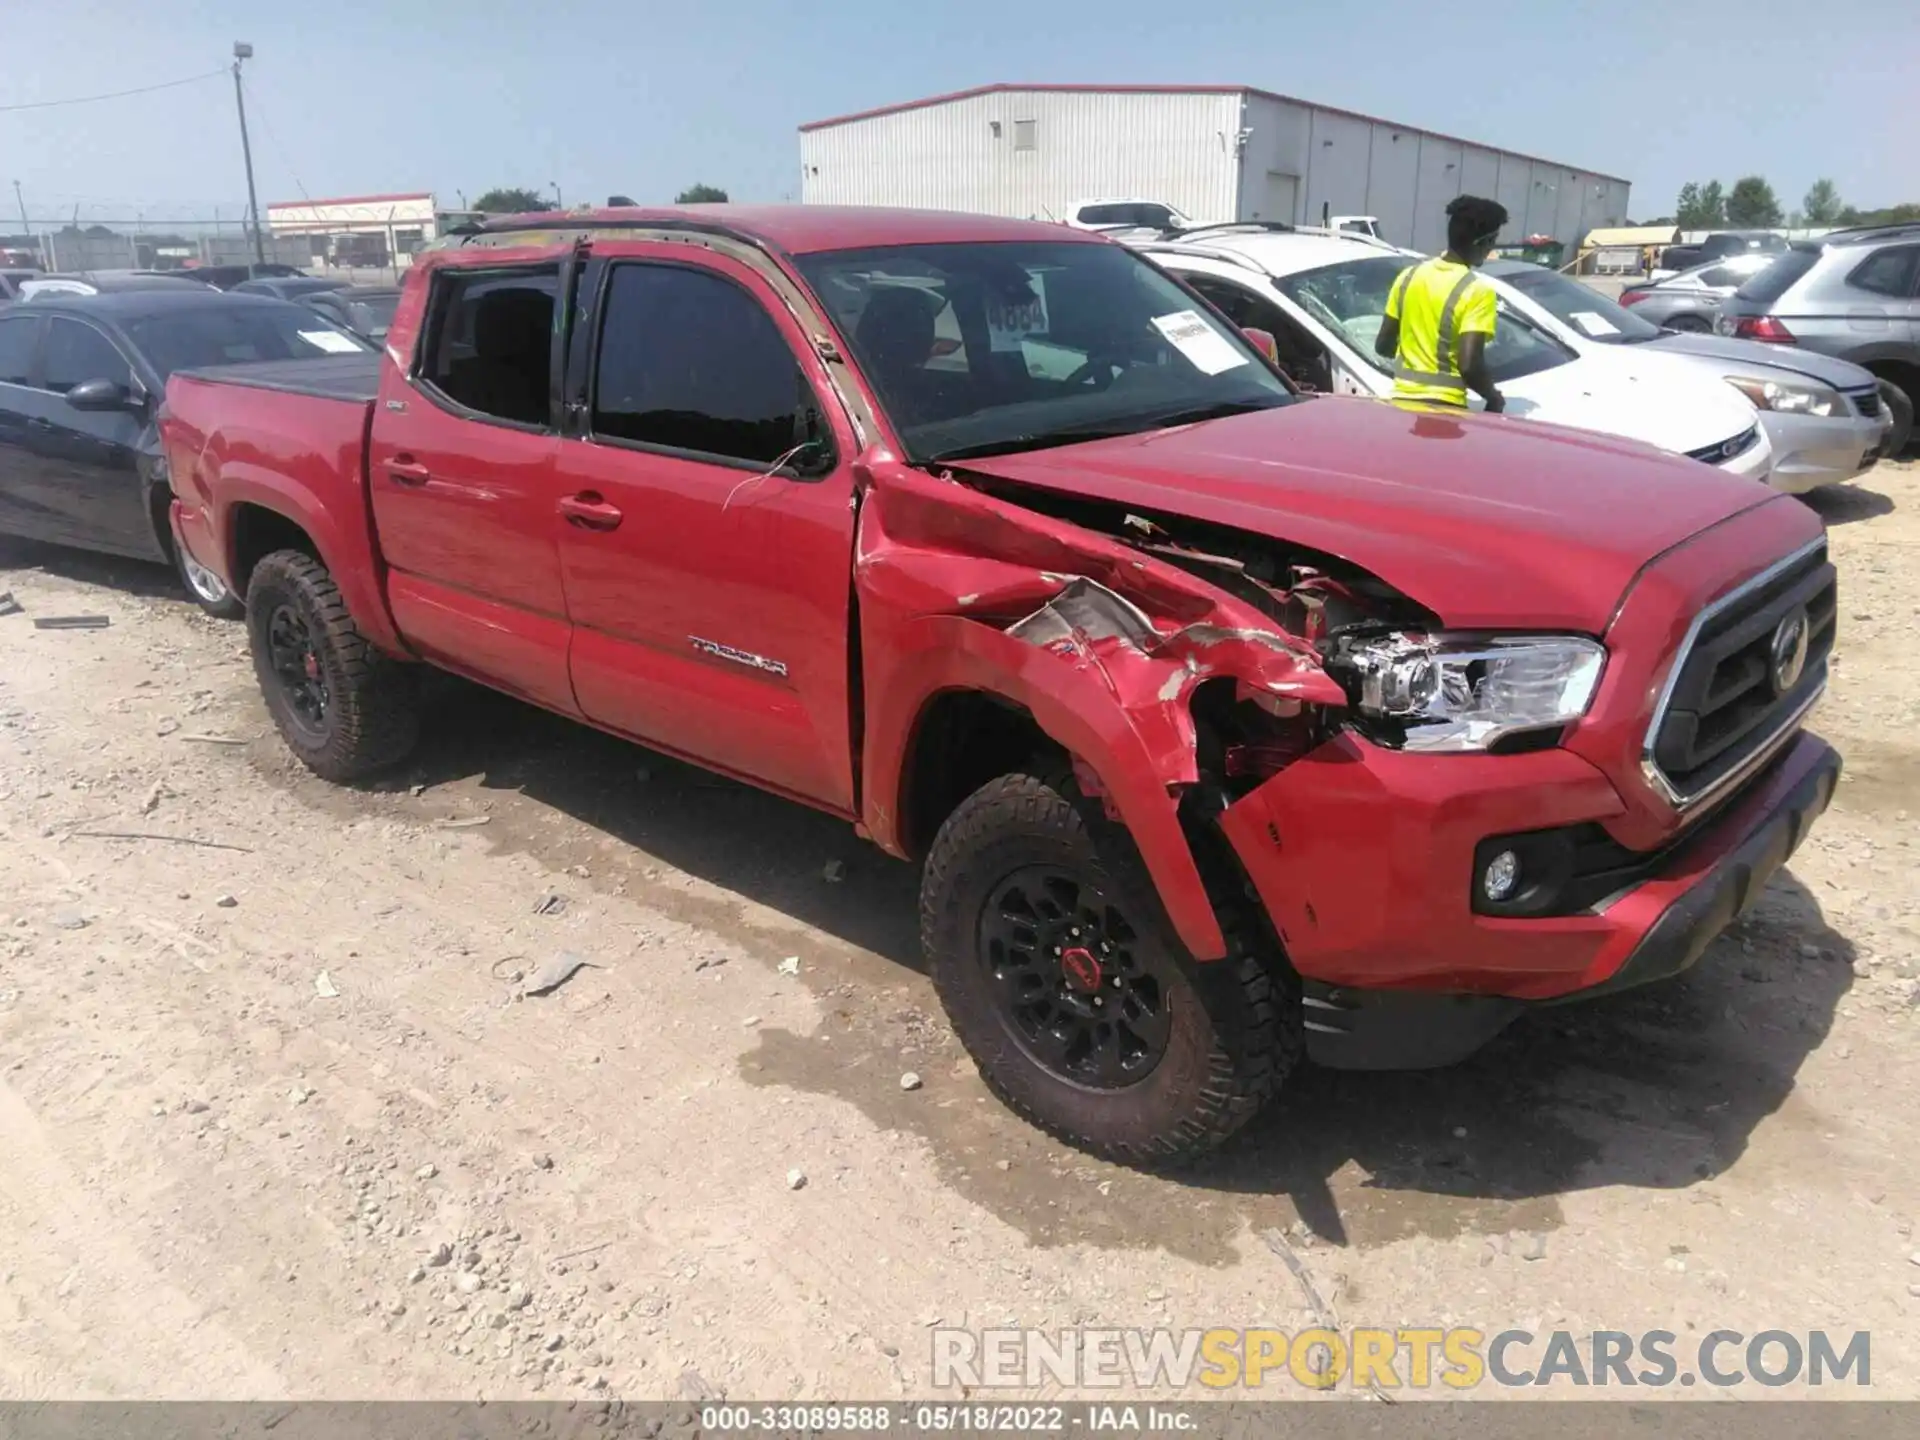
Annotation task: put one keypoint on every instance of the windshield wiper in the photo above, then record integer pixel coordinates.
(1219, 410)
(1040, 440)
(1047, 439)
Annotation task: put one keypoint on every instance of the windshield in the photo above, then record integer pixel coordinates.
(976, 349)
(1138, 214)
(217, 334)
(1579, 306)
(1351, 299)
(1774, 281)
(372, 315)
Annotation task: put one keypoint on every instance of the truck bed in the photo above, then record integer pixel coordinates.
(336, 377)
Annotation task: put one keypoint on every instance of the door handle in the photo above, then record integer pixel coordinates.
(405, 470)
(589, 511)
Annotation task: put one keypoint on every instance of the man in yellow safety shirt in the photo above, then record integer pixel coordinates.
(1440, 314)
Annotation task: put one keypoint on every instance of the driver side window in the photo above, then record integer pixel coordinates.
(75, 352)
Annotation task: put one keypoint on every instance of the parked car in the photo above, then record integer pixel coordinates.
(1690, 300)
(1125, 215)
(287, 287)
(225, 277)
(11, 281)
(1853, 294)
(80, 382)
(367, 310)
(1230, 724)
(1717, 246)
(1323, 297)
(1826, 418)
(103, 282)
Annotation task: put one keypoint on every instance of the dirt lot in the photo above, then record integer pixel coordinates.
(275, 1123)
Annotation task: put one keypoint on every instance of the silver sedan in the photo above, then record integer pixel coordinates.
(1826, 418)
(1691, 299)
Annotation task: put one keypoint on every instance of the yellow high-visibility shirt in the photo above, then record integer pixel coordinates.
(1436, 302)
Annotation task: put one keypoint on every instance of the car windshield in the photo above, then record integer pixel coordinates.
(226, 334)
(1351, 299)
(1774, 281)
(1583, 308)
(372, 315)
(978, 349)
(1135, 213)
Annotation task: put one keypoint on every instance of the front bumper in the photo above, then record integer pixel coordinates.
(1814, 450)
(1365, 864)
(1756, 462)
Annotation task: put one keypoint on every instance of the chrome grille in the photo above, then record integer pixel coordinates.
(1743, 680)
(1725, 450)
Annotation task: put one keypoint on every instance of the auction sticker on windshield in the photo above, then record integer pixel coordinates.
(1206, 349)
(1593, 323)
(1011, 321)
(331, 341)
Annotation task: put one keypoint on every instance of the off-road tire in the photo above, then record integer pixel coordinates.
(372, 717)
(1236, 1029)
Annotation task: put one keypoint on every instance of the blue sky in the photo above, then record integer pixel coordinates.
(354, 97)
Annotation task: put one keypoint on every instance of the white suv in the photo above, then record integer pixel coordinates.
(1323, 298)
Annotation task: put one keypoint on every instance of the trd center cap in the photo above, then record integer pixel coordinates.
(1081, 969)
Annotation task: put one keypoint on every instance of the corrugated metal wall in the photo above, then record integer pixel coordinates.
(963, 155)
(1351, 166)
(1180, 147)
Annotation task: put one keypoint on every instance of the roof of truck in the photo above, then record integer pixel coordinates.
(803, 229)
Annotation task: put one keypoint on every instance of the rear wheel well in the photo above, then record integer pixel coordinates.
(963, 739)
(257, 533)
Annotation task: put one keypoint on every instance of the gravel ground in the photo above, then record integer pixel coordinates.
(278, 1122)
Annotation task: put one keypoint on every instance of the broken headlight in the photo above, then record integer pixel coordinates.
(1468, 692)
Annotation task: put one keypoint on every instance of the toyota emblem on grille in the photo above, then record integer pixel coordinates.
(1788, 653)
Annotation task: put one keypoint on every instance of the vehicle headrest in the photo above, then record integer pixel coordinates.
(897, 325)
(510, 323)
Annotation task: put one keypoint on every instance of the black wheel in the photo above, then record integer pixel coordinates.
(1689, 324)
(1066, 984)
(1899, 405)
(345, 709)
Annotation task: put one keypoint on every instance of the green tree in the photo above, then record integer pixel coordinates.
(1713, 206)
(1753, 204)
(1822, 205)
(511, 200)
(701, 195)
(1687, 208)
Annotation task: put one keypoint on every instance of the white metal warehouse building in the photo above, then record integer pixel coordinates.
(1214, 152)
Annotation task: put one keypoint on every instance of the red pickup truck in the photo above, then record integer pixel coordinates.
(1230, 725)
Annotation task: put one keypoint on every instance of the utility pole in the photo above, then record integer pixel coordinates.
(243, 51)
(558, 203)
(26, 225)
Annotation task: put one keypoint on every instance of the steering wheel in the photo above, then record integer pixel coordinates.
(1097, 372)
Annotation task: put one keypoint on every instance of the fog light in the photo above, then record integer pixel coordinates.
(1502, 874)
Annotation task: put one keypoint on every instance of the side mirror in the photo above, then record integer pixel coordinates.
(102, 395)
(1263, 341)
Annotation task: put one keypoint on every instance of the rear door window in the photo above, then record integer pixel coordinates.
(1778, 278)
(491, 345)
(16, 348)
(1887, 272)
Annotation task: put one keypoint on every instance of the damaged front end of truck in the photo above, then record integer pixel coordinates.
(1180, 665)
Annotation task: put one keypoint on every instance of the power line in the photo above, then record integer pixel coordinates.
(114, 95)
(266, 125)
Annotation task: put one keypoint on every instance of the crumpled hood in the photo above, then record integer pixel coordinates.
(1490, 523)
